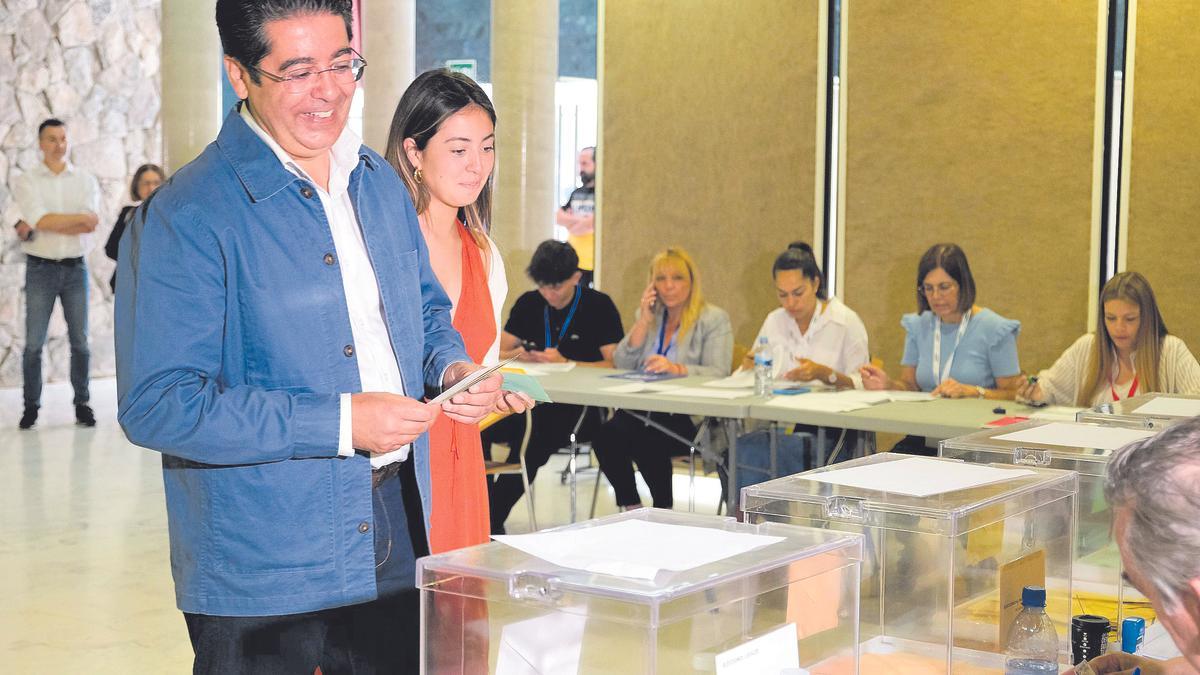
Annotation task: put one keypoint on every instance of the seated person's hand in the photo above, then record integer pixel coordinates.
(951, 388)
(472, 405)
(659, 364)
(1030, 392)
(806, 371)
(874, 378)
(549, 355)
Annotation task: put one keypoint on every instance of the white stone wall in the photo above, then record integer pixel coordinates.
(95, 65)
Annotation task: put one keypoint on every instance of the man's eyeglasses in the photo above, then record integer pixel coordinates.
(940, 289)
(300, 80)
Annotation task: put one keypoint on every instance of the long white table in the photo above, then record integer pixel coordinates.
(588, 386)
(939, 419)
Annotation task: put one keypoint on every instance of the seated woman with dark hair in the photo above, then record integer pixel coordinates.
(954, 348)
(675, 331)
(812, 337)
(1130, 353)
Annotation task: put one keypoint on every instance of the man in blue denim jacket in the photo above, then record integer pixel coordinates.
(263, 289)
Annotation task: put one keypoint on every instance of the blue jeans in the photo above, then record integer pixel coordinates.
(793, 455)
(46, 281)
(380, 636)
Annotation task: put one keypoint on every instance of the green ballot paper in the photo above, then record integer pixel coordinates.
(525, 384)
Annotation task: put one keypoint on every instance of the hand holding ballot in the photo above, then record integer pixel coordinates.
(382, 422)
(471, 392)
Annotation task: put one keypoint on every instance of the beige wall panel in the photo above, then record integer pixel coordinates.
(1164, 168)
(708, 142)
(971, 122)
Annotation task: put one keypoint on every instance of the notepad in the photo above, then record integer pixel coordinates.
(636, 548)
(1172, 407)
(1069, 435)
(708, 392)
(918, 476)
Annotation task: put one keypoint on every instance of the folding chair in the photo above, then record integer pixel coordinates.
(492, 468)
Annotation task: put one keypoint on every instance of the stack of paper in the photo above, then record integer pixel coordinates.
(742, 379)
(539, 369)
(918, 476)
(636, 548)
(641, 388)
(834, 402)
(1171, 407)
(911, 396)
(709, 392)
(1074, 435)
(1055, 413)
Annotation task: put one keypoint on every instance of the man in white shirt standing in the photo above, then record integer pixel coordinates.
(59, 201)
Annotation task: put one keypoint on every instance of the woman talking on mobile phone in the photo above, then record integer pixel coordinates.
(675, 331)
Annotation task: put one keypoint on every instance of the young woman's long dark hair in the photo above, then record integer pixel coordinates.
(428, 102)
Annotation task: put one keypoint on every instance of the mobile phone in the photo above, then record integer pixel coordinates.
(530, 346)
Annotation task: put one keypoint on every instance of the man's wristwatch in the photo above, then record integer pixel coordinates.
(982, 391)
(832, 379)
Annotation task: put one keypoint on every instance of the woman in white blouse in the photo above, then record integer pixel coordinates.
(813, 337)
(1130, 353)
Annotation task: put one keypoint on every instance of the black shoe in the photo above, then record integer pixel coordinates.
(84, 416)
(29, 418)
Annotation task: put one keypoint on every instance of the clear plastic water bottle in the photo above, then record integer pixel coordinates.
(764, 365)
(1032, 640)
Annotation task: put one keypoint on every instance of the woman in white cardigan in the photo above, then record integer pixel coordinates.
(1130, 353)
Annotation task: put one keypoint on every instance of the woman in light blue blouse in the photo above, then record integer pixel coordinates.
(954, 349)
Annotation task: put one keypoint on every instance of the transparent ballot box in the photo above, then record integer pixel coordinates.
(1098, 587)
(948, 548)
(1152, 411)
(603, 596)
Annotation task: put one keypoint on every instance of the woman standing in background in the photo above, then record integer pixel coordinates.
(146, 180)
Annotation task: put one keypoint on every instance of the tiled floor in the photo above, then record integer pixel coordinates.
(85, 582)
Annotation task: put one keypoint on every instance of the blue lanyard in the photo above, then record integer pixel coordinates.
(570, 315)
(662, 349)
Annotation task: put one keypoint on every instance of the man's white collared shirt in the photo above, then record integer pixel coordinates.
(39, 192)
(378, 368)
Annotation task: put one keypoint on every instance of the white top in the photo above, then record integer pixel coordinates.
(378, 369)
(39, 192)
(836, 337)
(1178, 373)
(498, 288)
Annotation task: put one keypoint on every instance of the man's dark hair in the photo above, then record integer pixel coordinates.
(242, 25)
(50, 122)
(553, 263)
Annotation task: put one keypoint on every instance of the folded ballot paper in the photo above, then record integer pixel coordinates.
(636, 549)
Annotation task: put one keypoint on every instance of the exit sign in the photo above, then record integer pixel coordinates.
(467, 67)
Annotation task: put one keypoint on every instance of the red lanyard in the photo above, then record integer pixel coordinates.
(1132, 390)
